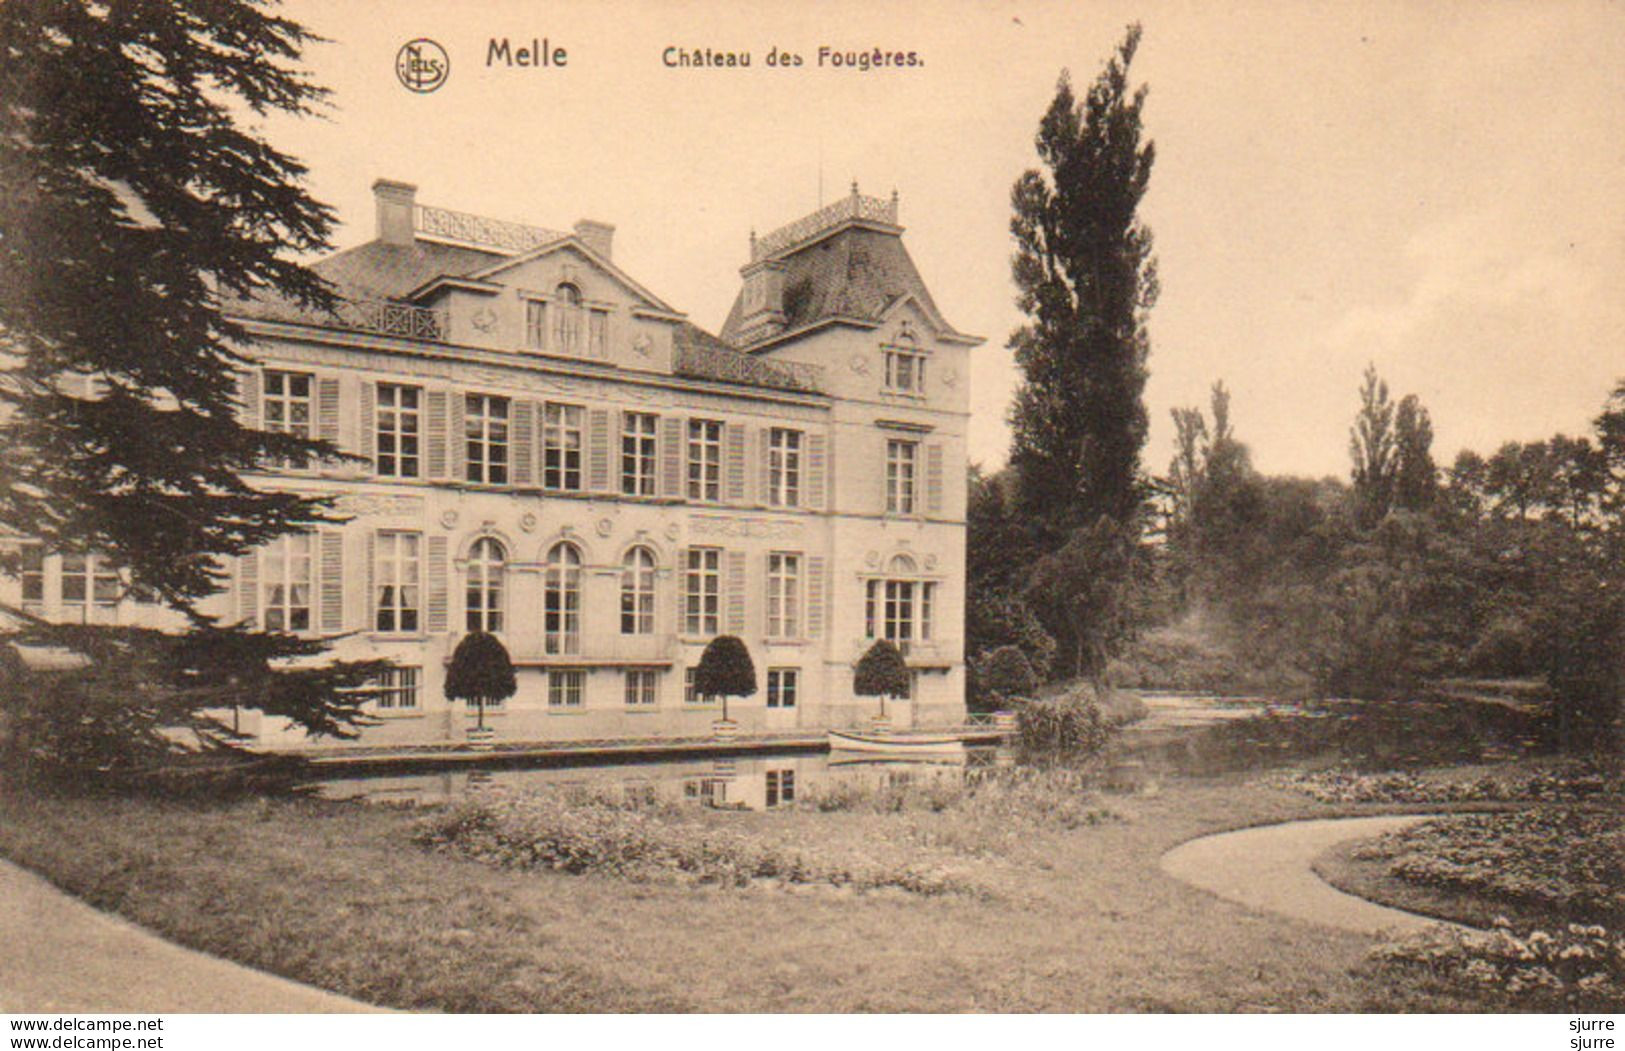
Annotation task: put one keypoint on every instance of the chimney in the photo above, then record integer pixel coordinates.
(762, 310)
(396, 204)
(600, 237)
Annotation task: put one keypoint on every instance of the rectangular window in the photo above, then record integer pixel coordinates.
(905, 370)
(705, 460)
(598, 333)
(285, 406)
(781, 787)
(899, 610)
(702, 592)
(900, 460)
(90, 587)
(640, 687)
(690, 695)
(784, 467)
(397, 689)
(638, 454)
(535, 324)
(485, 426)
(33, 571)
(396, 578)
(565, 687)
(783, 595)
(285, 583)
(782, 686)
(561, 447)
(399, 430)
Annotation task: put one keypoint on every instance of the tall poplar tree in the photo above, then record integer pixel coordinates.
(1087, 280)
(135, 197)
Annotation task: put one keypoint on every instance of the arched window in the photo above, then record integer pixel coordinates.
(567, 320)
(638, 592)
(487, 566)
(898, 607)
(561, 599)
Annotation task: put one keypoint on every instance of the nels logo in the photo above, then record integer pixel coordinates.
(422, 65)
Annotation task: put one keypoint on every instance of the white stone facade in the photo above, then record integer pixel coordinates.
(547, 442)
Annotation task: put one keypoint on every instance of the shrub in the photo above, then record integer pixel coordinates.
(725, 670)
(1072, 724)
(881, 672)
(1006, 673)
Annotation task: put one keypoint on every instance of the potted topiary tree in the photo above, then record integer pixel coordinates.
(482, 673)
(881, 672)
(725, 670)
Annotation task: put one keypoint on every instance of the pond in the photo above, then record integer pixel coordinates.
(754, 781)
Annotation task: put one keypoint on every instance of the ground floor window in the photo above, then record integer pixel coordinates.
(781, 787)
(690, 695)
(565, 688)
(398, 689)
(710, 790)
(782, 686)
(641, 684)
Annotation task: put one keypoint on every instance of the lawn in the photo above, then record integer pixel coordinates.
(1032, 902)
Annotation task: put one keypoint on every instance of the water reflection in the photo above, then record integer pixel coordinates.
(757, 781)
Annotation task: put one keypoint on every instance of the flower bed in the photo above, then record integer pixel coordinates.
(1575, 967)
(1564, 783)
(1561, 860)
(577, 833)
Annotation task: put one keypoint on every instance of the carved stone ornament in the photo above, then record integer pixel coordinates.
(872, 559)
(744, 528)
(448, 519)
(950, 379)
(643, 346)
(527, 521)
(673, 531)
(930, 563)
(860, 364)
(379, 504)
(606, 526)
(484, 319)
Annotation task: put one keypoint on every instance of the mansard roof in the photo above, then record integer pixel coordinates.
(858, 273)
(373, 271)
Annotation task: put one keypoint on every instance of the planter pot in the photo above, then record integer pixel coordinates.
(880, 724)
(480, 738)
(725, 730)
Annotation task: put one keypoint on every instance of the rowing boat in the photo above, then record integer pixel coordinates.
(895, 744)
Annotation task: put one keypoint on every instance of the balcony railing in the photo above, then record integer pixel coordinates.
(852, 206)
(731, 366)
(480, 230)
(392, 319)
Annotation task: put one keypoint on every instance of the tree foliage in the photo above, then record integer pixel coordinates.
(1087, 280)
(480, 671)
(725, 670)
(881, 671)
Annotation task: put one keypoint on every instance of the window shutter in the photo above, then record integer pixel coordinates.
(371, 605)
(680, 590)
(598, 449)
(764, 472)
(332, 581)
(933, 478)
(815, 597)
(671, 457)
(814, 474)
(733, 457)
(248, 588)
(457, 437)
(438, 600)
(734, 613)
(369, 422)
(522, 457)
(248, 394)
(327, 409)
(436, 413)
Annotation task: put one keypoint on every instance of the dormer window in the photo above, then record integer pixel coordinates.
(568, 320)
(905, 366)
(535, 324)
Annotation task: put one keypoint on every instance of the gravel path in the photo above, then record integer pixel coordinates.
(61, 955)
(1269, 868)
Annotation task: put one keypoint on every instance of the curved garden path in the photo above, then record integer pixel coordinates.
(62, 955)
(1270, 868)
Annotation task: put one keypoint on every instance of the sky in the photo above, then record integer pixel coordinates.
(1434, 188)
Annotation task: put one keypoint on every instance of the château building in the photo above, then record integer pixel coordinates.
(553, 453)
